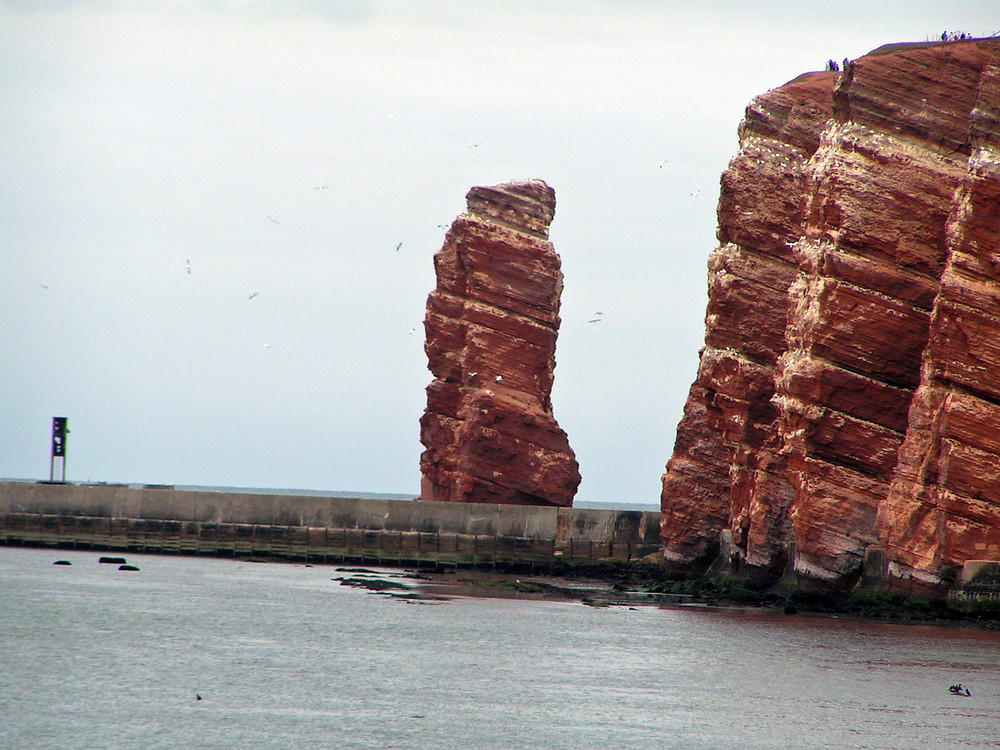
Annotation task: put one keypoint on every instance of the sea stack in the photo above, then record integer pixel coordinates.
(846, 411)
(491, 326)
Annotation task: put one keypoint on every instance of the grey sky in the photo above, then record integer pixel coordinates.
(286, 149)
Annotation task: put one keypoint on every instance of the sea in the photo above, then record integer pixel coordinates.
(201, 652)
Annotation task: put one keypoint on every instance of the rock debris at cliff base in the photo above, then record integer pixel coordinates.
(848, 395)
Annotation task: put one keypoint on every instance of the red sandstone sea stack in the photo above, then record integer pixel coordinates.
(491, 326)
(848, 396)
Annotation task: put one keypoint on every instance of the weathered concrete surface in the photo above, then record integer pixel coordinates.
(979, 579)
(160, 519)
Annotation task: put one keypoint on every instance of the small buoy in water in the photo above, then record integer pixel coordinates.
(197, 696)
(127, 567)
(62, 562)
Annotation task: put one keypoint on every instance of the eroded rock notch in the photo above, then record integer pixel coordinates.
(491, 327)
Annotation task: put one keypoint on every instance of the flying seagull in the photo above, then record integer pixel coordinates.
(188, 265)
(399, 246)
(273, 219)
(254, 295)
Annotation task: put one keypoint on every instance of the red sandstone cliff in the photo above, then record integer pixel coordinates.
(848, 396)
(491, 325)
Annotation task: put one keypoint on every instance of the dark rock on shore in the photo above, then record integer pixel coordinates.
(372, 584)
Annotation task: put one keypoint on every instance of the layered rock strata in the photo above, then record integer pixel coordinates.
(726, 479)
(851, 334)
(491, 325)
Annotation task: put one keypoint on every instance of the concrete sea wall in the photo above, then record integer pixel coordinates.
(300, 527)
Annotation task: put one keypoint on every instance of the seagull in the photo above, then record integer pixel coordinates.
(45, 286)
(399, 246)
(273, 219)
(253, 295)
(267, 346)
(694, 194)
(594, 320)
(322, 187)
(662, 163)
(498, 378)
(188, 265)
(475, 145)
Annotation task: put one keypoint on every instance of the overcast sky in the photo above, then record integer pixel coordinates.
(286, 148)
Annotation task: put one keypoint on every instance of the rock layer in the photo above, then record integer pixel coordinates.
(850, 375)
(491, 327)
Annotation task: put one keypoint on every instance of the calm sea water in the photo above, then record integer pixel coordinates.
(285, 657)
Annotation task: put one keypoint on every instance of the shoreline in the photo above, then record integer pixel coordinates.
(601, 556)
(605, 585)
(609, 591)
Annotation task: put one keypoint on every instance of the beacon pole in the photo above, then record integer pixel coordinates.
(59, 433)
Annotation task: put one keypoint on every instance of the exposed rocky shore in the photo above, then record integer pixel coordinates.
(636, 584)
